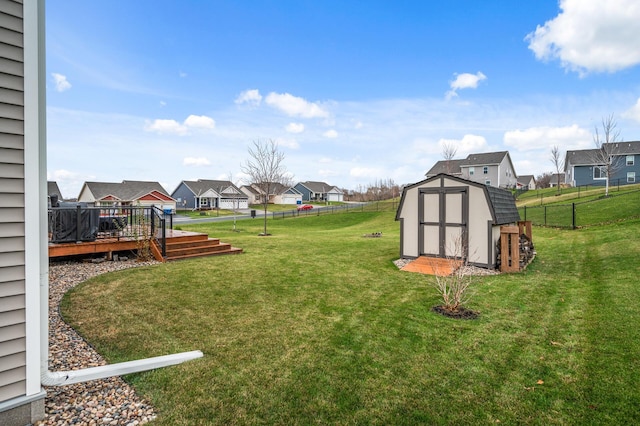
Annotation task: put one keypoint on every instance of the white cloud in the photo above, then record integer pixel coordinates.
(600, 36)
(328, 173)
(166, 127)
(325, 160)
(249, 97)
(331, 134)
(366, 172)
(633, 113)
(182, 74)
(288, 143)
(467, 145)
(465, 81)
(195, 161)
(546, 137)
(61, 81)
(295, 106)
(295, 128)
(200, 122)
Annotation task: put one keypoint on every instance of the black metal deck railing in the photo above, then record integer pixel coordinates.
(76, 222)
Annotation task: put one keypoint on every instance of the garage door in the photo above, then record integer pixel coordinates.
(443, 215)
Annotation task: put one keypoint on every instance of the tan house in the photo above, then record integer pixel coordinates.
(126, 193)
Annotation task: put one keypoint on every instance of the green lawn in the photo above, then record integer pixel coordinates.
(315, 325)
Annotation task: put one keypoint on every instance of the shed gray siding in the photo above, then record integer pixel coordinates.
(12, 204)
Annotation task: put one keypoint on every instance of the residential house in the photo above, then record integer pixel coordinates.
(489, 168)
(205, 194)
(53, 189)
(319, 191)
(553, 182)
(126, 193)
(450, 167)
(23, 220)
(254, 196)
(585, 166)
(526, 182)
(280, 194)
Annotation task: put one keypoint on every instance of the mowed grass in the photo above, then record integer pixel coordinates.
(315, 325)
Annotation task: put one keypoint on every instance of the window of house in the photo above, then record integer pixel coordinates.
(487, 182)
(599, 172)
(472, 170)
(630, 159)
(631, 177)
(485, 170)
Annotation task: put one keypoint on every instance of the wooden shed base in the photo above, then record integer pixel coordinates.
(432, 266)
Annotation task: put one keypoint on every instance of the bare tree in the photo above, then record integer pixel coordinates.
(558, 163)
(265, 169)
(543, 180)
(449, 151)
(606, 163)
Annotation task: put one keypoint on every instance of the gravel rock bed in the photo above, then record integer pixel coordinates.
(100, 402)
(467, 269)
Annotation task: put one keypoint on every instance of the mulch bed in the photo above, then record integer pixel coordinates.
(460, 313)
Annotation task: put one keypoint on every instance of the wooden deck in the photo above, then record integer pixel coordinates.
(180, 245)
(432, 266)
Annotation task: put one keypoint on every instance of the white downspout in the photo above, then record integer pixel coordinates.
(59, 378)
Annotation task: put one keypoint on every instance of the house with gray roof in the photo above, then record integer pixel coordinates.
(450, 167)
(279, 193)
(585, 166)
(444, 211)
(53, 189)
(527, 182)
(319, 191)
(206, 194)
(489, 168)
(126, 193)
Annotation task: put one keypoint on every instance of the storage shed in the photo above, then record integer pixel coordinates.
(437, 212)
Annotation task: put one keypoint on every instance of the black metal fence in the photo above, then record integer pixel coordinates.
(337, 209)
(574, 215)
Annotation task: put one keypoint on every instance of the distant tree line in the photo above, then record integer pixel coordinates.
(380, 189)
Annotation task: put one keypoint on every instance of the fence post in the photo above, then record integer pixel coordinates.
(545, 215)
(573, 215)
(525, 212)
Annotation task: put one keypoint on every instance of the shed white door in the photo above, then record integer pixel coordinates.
(443, 214)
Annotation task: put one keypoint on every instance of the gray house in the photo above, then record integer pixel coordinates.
(319, 191)
(585, 167)
(23, 186)
(206, 194)
(444, 211)
(489, 168)
(526, 182)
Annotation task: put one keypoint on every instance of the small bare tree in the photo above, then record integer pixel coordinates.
(265, 169)
(605, 161)
(558, 163)
(449, 151)
(454, 285)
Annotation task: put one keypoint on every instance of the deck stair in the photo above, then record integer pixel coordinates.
(185, 245)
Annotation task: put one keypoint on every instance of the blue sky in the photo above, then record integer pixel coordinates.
(352, 91)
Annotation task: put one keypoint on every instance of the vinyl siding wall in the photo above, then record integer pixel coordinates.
(12, 204)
